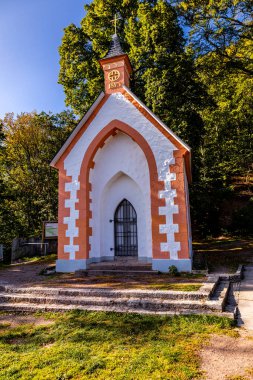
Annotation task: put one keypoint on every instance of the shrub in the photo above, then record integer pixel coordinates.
(173, 271)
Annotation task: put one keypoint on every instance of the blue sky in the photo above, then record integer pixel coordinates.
(30, 34)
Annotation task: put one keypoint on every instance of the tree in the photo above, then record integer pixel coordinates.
(198, 80)
(28, 184)
(226, 153)
(223, 27)
(163, 73)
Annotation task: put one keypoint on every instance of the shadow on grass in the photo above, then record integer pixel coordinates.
(91, 345)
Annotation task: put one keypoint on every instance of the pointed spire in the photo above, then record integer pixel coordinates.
(115, 47)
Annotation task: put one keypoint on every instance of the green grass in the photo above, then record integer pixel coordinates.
(175, 286)
(33, 260)
(101, 346)
(39, 259)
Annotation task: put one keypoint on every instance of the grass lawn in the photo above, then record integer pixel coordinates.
(96, 345)
(48, 259)
(184, 282)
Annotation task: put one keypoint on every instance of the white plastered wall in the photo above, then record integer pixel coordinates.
(118, 107)
(120, 172)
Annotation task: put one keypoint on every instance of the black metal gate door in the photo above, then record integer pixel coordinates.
(125, 230)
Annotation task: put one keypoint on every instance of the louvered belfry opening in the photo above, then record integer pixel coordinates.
(125, 230)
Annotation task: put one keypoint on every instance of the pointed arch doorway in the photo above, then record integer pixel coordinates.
(125, 230)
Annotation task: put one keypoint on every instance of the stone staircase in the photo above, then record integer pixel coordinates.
(122, 265)
(103, 299)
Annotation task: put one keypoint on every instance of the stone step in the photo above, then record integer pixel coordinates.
(116, 271)
(121, 300)
(221, 292)
(103, 292)
(121, 266)
(152, 304)
(139, 268)
(33, 307)
(220, 288)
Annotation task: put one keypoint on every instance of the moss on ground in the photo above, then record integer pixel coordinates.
(96, 345)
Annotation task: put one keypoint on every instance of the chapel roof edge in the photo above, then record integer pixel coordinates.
(93, 108)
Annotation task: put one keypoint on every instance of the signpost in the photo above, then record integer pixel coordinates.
(50, 230)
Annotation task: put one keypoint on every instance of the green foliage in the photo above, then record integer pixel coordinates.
(228, 144)
(197, 80)
(90, 345)
(28, 185)
(221, 27)
(226, 153)
(200, 86)
(163, 74)
(173, 271)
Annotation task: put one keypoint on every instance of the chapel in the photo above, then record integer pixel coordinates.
(123, 182)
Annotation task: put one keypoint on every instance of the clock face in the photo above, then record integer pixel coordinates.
(113, 75)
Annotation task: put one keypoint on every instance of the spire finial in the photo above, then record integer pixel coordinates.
(115, 19)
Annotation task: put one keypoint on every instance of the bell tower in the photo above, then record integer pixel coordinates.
(116, 66)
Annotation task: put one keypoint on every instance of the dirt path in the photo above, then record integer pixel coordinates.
(22, 274)
(226, 358)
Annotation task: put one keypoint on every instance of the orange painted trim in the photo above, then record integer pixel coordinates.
(182, 236)
(63, 212)
(83, 194)
(80, 133)
(83, 207)
(182, 160)
(110, 60)
(186, 154)
(183, 152)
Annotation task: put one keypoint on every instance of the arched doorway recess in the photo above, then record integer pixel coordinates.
(125, 230)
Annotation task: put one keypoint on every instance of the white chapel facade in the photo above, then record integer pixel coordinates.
(123, 182)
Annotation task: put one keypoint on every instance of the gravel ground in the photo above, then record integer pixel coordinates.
(27, 275)
(226, 358)
(22, 274)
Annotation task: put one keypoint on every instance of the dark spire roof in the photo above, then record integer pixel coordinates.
(115, 47)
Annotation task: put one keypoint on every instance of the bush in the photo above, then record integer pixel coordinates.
(173, 271)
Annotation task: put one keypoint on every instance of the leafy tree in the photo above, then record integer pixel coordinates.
(163, 75)
(220, 35)
(228, 124)
(224, 27)
(29, 184)
(226, 152)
